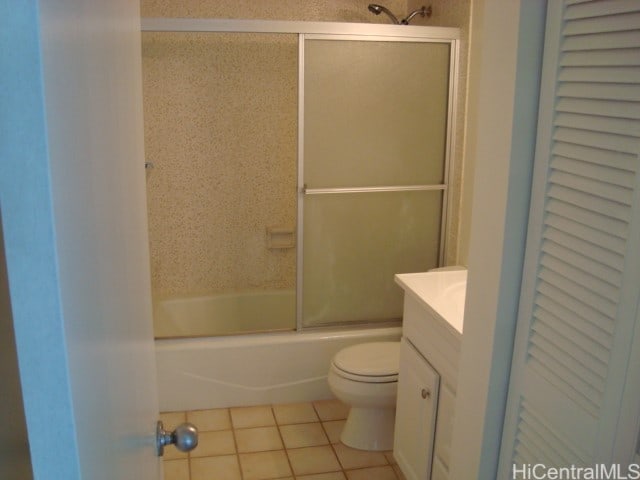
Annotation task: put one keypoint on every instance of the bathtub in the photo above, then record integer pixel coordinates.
(225, 314)
(258, 369)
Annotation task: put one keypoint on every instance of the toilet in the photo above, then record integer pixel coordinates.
(365, 377)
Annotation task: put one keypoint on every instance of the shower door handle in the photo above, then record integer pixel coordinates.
(184, 437)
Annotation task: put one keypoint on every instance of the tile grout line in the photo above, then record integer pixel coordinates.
(333, 449)
(284, 447)
(235, 444)
(343, 470)
(295, 476)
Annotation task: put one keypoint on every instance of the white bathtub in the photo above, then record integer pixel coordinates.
(225, 314)
(201, 373)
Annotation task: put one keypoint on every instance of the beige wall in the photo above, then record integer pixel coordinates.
(507, 39)
(456, 13)
(307, 10)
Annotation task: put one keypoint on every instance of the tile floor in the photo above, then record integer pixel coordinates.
(295, 441)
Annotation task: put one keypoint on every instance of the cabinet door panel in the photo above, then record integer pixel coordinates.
(439, 472)
(444, 425)
(418, 386)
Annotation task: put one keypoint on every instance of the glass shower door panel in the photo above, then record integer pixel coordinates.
(355, 243)
(375, 113)
(220, 113)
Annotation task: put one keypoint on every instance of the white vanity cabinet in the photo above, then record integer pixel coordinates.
(432, 330)
(415, 422)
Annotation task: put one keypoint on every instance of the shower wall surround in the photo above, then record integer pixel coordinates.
(209, 206)
(224, 160)
(308, 11)
(221, 130)
(446, 13)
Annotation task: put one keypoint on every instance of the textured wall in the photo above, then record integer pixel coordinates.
(307, 10)
(455, 13)
(220, 128)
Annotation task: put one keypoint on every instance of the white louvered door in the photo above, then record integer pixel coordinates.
(581, 284)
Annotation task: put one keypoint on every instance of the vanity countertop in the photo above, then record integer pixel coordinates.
(441, 292)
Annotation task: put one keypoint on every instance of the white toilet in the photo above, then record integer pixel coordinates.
(365, 377)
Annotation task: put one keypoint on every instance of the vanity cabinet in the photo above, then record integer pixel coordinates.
(429, 355)
(415, 422)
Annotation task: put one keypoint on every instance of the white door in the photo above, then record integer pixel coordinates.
(72, 194)
(575, 365)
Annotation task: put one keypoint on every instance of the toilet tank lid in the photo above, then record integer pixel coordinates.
(370, 359)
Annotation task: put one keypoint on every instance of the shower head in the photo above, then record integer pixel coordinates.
(378, 9)
(423, 12)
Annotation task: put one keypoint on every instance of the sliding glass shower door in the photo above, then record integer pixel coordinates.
(374, 117)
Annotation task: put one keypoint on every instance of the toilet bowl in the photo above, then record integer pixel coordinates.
(365, 377)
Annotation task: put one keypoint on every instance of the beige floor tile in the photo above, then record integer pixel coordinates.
(372, 473)
(295, 413)
(215, 468)
(258, 439)
(303, 435)
(324, 476)
(334, 429)
(331, 410)
(172, 453)
(210, 420)
(214, 443)
(248, 417)
(171, 420)
(309, 460)
(264, 465)
(176, 469)
(351, 458)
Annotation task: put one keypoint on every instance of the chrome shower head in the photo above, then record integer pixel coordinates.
(423, 12)
(378, 9)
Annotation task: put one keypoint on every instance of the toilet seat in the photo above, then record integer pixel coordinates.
(375, 362)
(365, 377)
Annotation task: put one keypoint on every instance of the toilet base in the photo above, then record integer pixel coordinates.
(369, 428)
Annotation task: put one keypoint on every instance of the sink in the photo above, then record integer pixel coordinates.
(455, 295)
(442, 292)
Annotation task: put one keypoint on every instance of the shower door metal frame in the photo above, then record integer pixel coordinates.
(449, 149)
(341, 31)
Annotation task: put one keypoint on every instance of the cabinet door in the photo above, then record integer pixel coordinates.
(416, 413)
(439, 471)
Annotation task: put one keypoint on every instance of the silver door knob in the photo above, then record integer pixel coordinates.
(184, 437)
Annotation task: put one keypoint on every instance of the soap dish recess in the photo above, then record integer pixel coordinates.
(279, 237)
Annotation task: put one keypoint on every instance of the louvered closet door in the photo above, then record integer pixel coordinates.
(581, 280)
